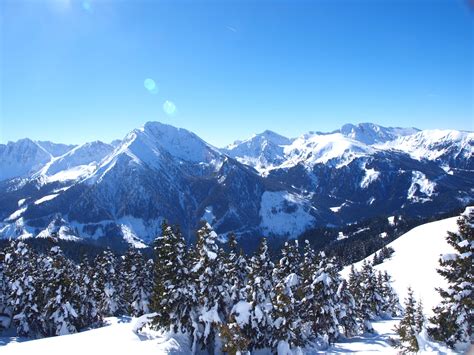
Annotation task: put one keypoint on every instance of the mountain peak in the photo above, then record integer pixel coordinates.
(371, 133)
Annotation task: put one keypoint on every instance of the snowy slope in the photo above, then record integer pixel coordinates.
(116, 338)
(21, 158)
(55, 149)
(334, 149)
(262, 151)
(76, 163)
(370, 133)
(415, 261)
(448, 147)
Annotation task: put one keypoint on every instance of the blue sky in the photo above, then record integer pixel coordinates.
(75, 71)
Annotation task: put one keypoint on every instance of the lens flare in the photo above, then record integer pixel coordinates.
(169, 107)
(150, 85)
(86, 5)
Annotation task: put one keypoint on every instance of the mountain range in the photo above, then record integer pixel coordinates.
(267, 185)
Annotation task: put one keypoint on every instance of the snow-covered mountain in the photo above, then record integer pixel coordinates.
(450, 149)
(266, 185)
(78, 162)
(369, 133)
(21, 158)
(25, 157)
(262, 151)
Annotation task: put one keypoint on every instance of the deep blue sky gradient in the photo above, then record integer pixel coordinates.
(74, 70)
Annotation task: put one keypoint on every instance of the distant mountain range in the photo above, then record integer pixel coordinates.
(267, 185)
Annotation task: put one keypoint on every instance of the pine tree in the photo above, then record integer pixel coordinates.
(135, 284)
(234, 340)
(308, 267)
(5, 311)
(377, 259)
(391, 303)
(207, 272)
(89, 310)
(25, 284)
(354, 284)
(407, 328)
(287, 300)
(347, 311)
(259, 294)
(61, 294)
(370, 300)
(235, 270)
(324, 301)
(106, 284)
(419, 317)
(453, 319)
(174, 296)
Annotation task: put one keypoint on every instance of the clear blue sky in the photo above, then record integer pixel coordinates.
(74, 71)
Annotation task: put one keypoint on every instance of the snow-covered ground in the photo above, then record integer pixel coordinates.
(116, 338)
(119, 338)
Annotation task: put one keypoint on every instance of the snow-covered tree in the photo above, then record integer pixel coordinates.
(106, 284)
(173, 297)
(207, 271)
(5, 310)
(407, 329)
(454, 317)
(236, 271)
(233, 338)
(259, 293)
(419, 317)
(287, 300)
(346, 311)
(389, 303)
(135, 283)
(88, 314)
(369, 299)
(61, 294)
(25, 287)
(324, 301)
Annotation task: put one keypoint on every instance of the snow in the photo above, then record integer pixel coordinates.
(241, 311)
(370, 176)
(21, 158)
(337, 208)
(17, 214)
(434, 144)
(116, 338)
(77, 163)
(421, 184)
(74, 173)
(283, 213)
(312, 149)
(131, 238)
(415, 261)
(133, 227)
(45, 198)
(208, 215)
(391, 220)
(341, 236)
(263, 151)
(122, 336)
(370, 133)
